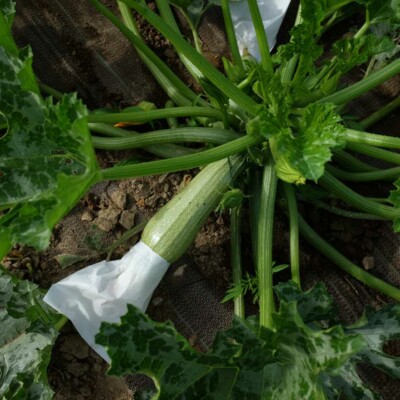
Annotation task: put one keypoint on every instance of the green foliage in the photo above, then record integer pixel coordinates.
(298, 359)
(46, 158)
(250, 284)
(26, 339)
(351, 52)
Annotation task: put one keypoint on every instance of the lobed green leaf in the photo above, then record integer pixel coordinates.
(291, 362)
(26, 339)
(46, 156)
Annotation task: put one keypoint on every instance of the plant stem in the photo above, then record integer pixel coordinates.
(375, 152)
(342, 212)
(335, 7)
(255, 178)
(49, 90)
(172, 85)
(264, 245)
(365, 26)
(236, 260)
(372, 139)
(357, 89)
(206, 68)
(350, 162)
(151, 115)
(125, 236)
(261, 35)
(171, 121)
(164, 136)
(60, 323)
(334, 186)
(166, 14)
(344, 263)
(180, 163)
(230, 33)
(379, 175)
(381, 113)
(294, 232)
(164, 151)
(111, 131)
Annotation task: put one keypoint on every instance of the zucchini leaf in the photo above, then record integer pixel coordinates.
(351, 52)
(46, 157)
(377, 328)
(303, 39)
(300, 151)
(382, 11)
(291, 362)
(26, 339)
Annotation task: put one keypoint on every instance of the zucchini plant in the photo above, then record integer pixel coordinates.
(279, 124)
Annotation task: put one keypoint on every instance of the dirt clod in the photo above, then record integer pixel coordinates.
(127, 219)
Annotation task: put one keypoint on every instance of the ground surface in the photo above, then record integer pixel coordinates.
(191, 291)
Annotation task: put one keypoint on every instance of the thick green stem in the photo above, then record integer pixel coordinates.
(381, 175)
(236, 260)
(336, 7)
(181, 163)
(167, 15)
(206, 68)
(60, 323)
(357, 89)
(375, 152)
(171, 121)
(49, 90)
(230, 33)
(255, 178)
(350, 162)
(164, 151)
(381, 113)
(372, 139)
(334, 186)
(162, 113)
(172, 85)
(342, 212)
(164, 136)
(342, 262)
(261, 35)
(264, 245)
(294, 232)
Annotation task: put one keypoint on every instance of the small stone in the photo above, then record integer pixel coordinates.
(127, 219)
(87, 216)
(368, 262)
(107, 219)
(157, 301)
(119, 199)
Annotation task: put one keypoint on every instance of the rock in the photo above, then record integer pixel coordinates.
(107, 219)
(368, 262)
(118, 197)
(127, 219)
(87, 216)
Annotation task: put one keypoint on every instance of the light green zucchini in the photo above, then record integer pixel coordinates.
(173, 228)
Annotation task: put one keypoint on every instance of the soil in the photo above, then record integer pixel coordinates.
(110, 209)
